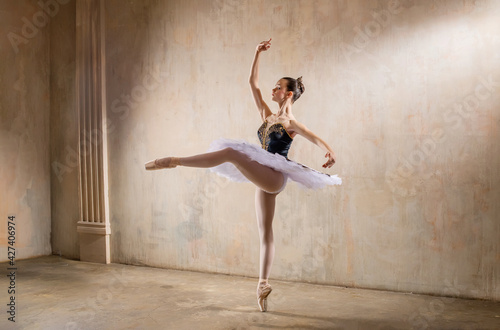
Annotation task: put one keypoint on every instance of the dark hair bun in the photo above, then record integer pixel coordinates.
(296, 86)
(300, 85)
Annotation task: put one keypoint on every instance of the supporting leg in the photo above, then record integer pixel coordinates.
(264, 208)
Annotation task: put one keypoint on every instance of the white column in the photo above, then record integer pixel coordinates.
(93, 227)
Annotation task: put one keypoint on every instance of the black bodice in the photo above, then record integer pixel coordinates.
(275, 139)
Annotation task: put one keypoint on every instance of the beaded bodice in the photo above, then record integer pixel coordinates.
(275, 138)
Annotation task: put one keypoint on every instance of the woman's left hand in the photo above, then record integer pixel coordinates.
(331, 159)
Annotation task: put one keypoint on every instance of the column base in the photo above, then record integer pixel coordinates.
(94, 242)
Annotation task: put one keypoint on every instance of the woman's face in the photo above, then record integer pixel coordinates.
(279, 91)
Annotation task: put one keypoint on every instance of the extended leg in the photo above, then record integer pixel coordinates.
(262, 176)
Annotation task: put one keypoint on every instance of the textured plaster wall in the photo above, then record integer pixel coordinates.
(24, 129)
(407, 94)
(63, 135)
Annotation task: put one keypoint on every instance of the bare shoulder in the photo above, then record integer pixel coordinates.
(300, 129)
(295, 124)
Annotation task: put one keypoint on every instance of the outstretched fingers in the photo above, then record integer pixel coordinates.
(330, 161)
(264, 45)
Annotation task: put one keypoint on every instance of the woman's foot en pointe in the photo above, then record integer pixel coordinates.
(158, 164)
(263, 291)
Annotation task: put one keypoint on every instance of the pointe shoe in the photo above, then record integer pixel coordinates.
(263, 291)
(155, 165)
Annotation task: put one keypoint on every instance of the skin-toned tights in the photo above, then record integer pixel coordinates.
(265, 178)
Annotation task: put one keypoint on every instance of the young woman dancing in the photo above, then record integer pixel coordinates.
(267, 165)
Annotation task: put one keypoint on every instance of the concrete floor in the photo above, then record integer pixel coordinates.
(56, 293)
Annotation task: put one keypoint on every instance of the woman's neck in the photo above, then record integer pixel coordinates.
(285, 108)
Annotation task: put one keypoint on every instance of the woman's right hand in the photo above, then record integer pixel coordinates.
(263, 46)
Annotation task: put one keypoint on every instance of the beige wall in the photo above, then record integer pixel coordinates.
(63, 136)
(24, 128)
(418, 210)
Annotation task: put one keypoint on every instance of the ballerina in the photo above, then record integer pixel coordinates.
(267, 165)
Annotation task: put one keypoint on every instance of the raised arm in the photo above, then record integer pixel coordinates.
(301, 129)
(254, 81)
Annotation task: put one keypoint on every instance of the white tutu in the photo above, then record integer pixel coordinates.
(303, 175)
